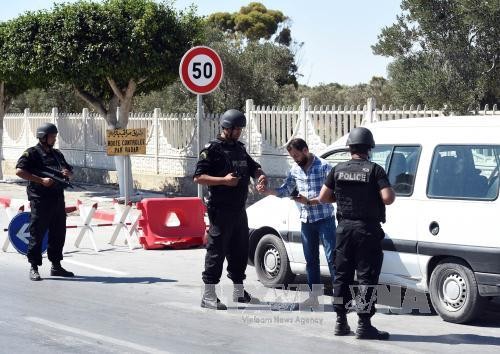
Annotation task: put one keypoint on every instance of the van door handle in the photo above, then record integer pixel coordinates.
(434, 228)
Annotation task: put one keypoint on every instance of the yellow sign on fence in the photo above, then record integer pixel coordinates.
(126, 141)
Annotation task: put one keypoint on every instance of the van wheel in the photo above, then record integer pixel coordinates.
(271, 262)
(453, 291)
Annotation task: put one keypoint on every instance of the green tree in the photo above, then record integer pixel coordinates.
(13, 81)
(446, 52)
(107, 52)
(252, 69)
(43, 100)
(255, 70)
(341, 95)
(253, 21)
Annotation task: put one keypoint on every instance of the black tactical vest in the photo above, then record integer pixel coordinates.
(51, 158)
(357, 192)
(229, 158)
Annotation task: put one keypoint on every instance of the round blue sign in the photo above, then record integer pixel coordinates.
(19, 233)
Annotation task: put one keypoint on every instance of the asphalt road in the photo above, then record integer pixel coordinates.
(141, 301)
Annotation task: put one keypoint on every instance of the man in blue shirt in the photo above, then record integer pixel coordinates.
(303, 183)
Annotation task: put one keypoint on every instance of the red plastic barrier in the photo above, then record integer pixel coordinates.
(106, 214)
(5, 201)
(190, 232)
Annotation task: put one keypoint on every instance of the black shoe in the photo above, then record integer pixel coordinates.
(34, 275)
(341, 326)
(245, 299)
(367, 331)
(213, 305)
(58, 271)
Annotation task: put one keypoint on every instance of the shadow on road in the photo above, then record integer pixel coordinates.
(447, 339)
(490, 318)
(116, 280)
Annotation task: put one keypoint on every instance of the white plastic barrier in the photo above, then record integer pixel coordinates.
(86, 215)
(124, 221)
(122, 218)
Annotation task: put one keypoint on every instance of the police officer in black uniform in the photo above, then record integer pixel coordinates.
(46, 198)
(362, 190)
(226, 167)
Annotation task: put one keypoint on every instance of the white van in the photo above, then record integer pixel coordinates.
(443, 230)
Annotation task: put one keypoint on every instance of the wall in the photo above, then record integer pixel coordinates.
(171, 151)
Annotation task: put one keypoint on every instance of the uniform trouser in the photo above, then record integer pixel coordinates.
(47, 215)
(358, 248)
(227, 238)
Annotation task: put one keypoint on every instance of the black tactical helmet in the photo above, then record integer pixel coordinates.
(361, 136)
(45, 129)
(233, 118)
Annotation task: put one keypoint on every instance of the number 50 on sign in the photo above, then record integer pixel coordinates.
(201, 70)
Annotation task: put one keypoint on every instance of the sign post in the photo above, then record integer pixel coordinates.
(126, 142)
(201, 72)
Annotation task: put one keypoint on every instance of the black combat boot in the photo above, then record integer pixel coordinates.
(242, 296)
(367, 331)
(210, 299)
(34, 275)
(58, 271)
(341, 326)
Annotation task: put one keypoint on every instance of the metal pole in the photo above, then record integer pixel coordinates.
(125, 179)
(199, 113)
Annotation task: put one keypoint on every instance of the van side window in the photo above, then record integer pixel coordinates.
(464, 172)
(402, 165)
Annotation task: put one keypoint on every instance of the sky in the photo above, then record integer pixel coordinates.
(337, 34)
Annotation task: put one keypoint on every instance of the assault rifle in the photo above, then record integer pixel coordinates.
(57, 176)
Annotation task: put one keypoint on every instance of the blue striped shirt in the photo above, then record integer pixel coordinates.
(308, 184)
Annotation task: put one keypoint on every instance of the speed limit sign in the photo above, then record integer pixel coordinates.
(201, 70)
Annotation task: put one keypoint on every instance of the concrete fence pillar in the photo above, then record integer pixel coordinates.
(55, 113)
(304, 106)
(370, 114)
(156, 121)
(85, 115)
(249, 107)
(27, 130)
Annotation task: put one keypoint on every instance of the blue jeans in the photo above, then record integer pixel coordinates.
(311, 234)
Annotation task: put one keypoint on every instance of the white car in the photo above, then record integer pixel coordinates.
(442, 232)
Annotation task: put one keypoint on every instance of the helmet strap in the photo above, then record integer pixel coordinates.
(43, 141)
(227, 134)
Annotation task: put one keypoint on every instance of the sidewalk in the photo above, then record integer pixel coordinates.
(103, 195)
(93, 193)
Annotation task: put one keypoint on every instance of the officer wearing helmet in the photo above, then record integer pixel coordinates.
(46, 198)
(362, 190)
(225, 167)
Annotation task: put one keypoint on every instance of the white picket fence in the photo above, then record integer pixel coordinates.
(172, 138)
